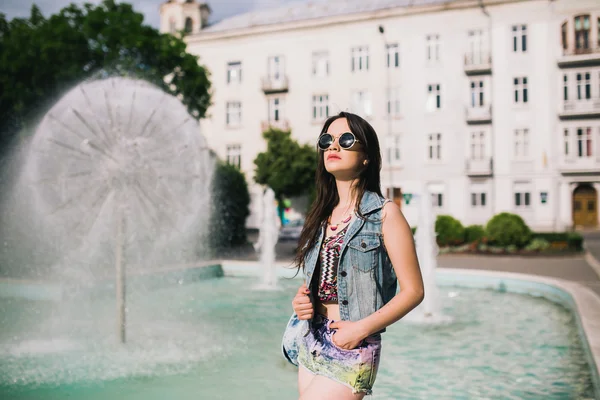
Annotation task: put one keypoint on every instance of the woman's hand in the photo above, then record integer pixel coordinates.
(301, 303)
(348, 334)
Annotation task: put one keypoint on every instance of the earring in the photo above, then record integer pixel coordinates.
(365, 162)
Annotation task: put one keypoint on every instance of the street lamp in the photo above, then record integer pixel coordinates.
(389, 115)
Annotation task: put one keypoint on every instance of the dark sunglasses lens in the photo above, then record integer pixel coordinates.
(346, 140)
(325, 141)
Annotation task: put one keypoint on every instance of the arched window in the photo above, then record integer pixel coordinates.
(582, 33)
(189, 25)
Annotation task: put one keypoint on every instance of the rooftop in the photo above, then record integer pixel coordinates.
(307, 10)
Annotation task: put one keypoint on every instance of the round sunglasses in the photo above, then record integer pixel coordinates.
(346, 140)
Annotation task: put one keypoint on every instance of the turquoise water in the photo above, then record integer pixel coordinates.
(220, 338)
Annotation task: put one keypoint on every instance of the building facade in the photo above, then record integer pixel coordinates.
(494, 104)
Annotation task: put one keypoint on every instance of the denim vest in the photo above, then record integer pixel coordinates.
(365, 277)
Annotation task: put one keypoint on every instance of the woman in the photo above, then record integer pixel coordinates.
(356, 247)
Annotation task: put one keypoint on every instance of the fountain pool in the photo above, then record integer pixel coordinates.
(219, 339)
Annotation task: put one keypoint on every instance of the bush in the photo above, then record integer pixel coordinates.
(537, 244)
(229, 208)
(505, 229)
(474, 233)
(449, 230)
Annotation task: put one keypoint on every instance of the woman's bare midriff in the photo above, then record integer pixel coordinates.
(331, 310)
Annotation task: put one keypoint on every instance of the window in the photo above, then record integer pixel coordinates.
(478, 199)
(477, 99)
(189, 25)
(395, 194)
(521, 143)
(434, 146)
(582, 33)
(434, 97)
(584, 142)
(393, 55)
(234, 72)
(433, 47)
(437, 200)
(360, 58)
(477, 145)
(361, 102)
(320, 107)
(521, 90)
(320, 63)
(234, 155)
(234, 113)
(172, 25)
(584, 86)
(275, 109)
(477, 45)
(393, 150)
(565, 87)
(522, 199)
(275, 68)
(519, 38)
(563, 33)
(393, 102)
(566, 142)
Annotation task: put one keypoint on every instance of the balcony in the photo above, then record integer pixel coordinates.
(577, 109)
(478, 115)
(480, 167)
(573, 57)
(282, 125)
(478, 63)
(579, 165)
(271, 84)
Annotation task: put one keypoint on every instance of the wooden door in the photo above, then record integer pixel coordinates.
(585, 206)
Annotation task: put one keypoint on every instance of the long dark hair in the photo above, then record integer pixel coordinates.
(327, 195)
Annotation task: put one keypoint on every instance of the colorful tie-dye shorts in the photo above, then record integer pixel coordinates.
(356, 368)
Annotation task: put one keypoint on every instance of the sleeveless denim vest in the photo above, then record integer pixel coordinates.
(365, 277)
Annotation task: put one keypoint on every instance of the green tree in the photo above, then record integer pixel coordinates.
(286, 167)
(40, 58)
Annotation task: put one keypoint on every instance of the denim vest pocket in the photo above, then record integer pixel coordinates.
(363, 249)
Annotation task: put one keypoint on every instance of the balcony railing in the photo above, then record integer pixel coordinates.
(478, 63)
(272, 84)
(479, 167)
(579, 165)
(479, 115)
(573, 109)
(282, 124)
(573, 57)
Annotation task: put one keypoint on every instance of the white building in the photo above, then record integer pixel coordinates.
(495, 104)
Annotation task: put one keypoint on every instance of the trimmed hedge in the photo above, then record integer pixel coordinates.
(572, 240)
(507, 229)
(449, 230)
(229, 209)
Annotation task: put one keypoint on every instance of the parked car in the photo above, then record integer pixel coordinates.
(291, 230)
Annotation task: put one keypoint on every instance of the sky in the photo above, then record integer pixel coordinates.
(220, 8)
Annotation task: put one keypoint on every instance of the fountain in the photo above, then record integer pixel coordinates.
(116, 181)
(427, 250)
(267, 239)
(118, 176)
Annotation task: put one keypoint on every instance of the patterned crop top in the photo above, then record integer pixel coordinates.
(329, 258)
